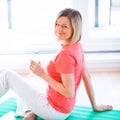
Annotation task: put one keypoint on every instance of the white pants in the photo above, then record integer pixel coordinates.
(34, 98)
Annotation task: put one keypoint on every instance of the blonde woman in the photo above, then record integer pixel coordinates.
(63, 76)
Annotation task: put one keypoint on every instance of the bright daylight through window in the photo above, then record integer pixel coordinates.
(28, 25)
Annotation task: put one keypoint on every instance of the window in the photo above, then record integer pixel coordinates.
(27, 25)
(104, 26)
(115, 13)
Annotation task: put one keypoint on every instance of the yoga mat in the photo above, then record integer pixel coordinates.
(79, 112)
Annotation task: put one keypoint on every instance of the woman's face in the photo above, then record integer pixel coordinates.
(63, 29)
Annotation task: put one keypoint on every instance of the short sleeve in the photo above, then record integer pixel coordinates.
(64, 63)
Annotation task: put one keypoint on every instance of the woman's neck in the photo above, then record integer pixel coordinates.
(65, 42)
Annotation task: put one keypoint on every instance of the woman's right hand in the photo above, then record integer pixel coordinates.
(36, 68)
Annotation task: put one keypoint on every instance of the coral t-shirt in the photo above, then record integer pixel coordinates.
(69, 60)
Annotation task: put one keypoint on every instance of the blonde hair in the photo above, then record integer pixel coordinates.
(76, 22)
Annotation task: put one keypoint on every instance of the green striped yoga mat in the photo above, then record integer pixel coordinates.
(79, 112)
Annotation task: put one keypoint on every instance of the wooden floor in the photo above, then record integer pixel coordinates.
(107, 89)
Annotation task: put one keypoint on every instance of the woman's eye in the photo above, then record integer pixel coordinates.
(65, 26)
(56, 24)
(62, 26)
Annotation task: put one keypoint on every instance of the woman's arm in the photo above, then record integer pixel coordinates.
(66, 88)
(90, 92)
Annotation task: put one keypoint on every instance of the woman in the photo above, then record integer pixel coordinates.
(63, 74)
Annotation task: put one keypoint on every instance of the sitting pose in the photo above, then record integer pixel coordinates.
(63, 75)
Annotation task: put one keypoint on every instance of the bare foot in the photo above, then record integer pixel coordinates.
(29, 115)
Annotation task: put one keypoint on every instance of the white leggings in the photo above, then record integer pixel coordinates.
(34, 98)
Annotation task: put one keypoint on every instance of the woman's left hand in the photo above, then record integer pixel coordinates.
(36, 68)
(100, 108)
